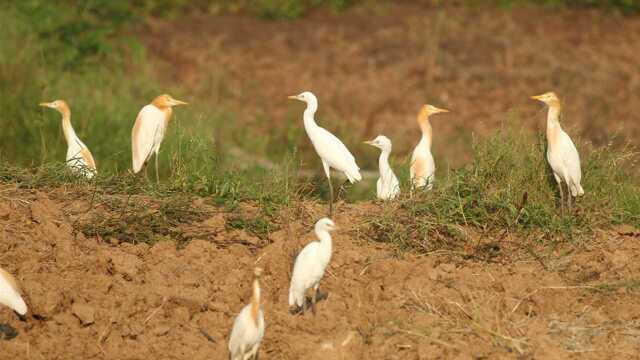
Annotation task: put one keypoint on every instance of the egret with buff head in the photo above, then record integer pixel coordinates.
(248, 328)
(149, 130)
(79, 158)
(333, 153)
(423, 166)
(562, 154)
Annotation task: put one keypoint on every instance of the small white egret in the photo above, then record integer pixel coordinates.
(562, 154)
(310, 266)
(79, 158)
(422, 165)
(332, 152)
(10, 293)
(149, 129)
(248, 328)
(388, 186)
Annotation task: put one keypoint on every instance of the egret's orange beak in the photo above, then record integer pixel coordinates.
(294, 97)
(537, 97)
(369, 142)
(438, 110)
(45, 104)
(178, 102)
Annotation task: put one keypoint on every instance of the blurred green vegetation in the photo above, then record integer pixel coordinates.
(509, 188)
(76, 51)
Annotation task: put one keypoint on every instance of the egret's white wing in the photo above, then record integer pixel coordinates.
(306, 272)
(239, 332)
(305, 268)
(143, 136)
(10, 293)
(422, 167)
(334, 152)
(244, 335)
(570, 155)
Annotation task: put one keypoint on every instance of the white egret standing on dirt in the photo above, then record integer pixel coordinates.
(332, 152)
(310, 266)
(422, 165)
(79, 158)
(388, 186)
(149, 129)
(248, 328)
(562, 154)
(10, 293)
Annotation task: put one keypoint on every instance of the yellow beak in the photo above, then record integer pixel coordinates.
(369, 142)
(537, 97)
(178, 102)
(294, 97)
(45, 104)
(442, 110)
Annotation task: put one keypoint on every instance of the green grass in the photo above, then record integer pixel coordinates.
(49, 51)
(488, 197)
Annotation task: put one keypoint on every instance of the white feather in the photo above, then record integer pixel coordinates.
(9, 294)
(331, 150)
(387, 186)
(311, 263)
(147, 135)
(245, 337)
(422, 154)
(562, 154)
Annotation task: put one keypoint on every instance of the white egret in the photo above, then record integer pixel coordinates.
(10, 293)
(422, 165)
(388, 186)
(332, 152)
(310, 266)
(79, 158)
(248, 328)
(562, 154)
(149, 129)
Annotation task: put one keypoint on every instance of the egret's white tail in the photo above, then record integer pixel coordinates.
(353, 175)
(14, 301)
(296, 298)
(19, 306)
(576, 190)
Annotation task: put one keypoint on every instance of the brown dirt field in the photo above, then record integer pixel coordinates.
(375, 65)
(101, 297)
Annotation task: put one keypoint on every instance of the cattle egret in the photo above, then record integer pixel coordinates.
(309, 267)
(332, 152)
(422, 165)
(388, 186)
(79, 158)
(562, 154)
(10, 293)
(248, 328)
(149, 130)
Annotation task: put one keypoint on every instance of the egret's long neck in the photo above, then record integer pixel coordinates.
(69, 133)
(309, 121)
(168, 111)
(255, 301)
(553, 121)
(383, 163)
(325, 239)
(427, 132)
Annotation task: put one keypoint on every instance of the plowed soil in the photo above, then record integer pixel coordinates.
(96, 292)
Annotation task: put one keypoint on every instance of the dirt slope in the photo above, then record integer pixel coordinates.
(100, 298)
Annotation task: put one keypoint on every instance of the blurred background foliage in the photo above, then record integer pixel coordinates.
(81, 51)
